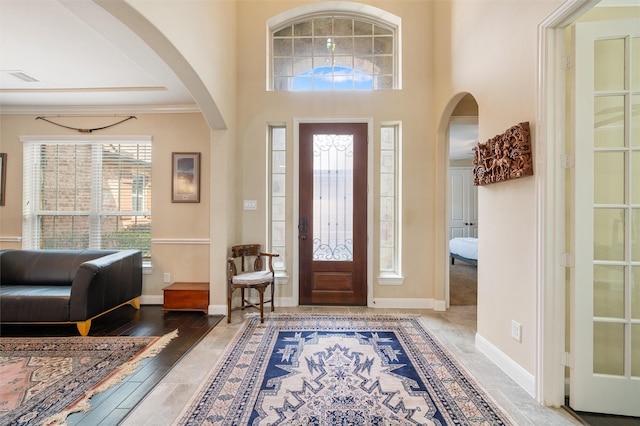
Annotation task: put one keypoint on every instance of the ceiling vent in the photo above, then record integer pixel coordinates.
(21, 75)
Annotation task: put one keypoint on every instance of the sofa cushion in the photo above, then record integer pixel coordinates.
(51, 267)
(34, 303)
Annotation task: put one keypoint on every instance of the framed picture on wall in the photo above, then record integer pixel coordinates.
(3, 177)
(185, 182)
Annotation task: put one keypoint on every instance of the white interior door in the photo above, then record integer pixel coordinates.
(464, 203)
(605, 285)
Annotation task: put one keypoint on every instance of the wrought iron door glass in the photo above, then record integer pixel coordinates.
(333, 197)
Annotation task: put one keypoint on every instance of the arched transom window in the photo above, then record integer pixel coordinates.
(334, 52)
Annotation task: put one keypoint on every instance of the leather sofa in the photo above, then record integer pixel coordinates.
(67, 286)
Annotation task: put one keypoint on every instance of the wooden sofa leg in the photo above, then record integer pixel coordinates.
(136, 303)
(83, 327)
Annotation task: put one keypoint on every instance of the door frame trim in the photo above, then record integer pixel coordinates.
(550, 201)
(296, 200)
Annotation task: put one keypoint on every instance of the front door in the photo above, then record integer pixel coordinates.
(605, 320)
(333, 213)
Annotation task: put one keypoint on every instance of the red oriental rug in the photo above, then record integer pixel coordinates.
(43, 380)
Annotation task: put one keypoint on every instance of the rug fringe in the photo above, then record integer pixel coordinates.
(251, 315)
(84, 404)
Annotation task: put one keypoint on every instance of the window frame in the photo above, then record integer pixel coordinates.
(392, 275)
(338, 10)
(280, 263)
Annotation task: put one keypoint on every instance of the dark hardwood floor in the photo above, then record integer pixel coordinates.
(112, 406)
(597, 419)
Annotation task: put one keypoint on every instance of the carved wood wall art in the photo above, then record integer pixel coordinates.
(503, 157)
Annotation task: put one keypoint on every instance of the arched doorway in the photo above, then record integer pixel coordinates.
(459, 129)
(462, 231)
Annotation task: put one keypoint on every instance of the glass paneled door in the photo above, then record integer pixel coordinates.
(605, 320)
(332, 227)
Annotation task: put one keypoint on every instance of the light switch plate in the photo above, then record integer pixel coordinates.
(250, 204)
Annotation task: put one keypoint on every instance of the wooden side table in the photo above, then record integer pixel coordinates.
(186, 296)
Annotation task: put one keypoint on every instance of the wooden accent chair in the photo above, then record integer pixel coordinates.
(246, 271)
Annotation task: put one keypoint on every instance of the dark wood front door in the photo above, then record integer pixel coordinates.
(333, 213)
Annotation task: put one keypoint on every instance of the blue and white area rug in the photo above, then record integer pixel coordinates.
(339, 370)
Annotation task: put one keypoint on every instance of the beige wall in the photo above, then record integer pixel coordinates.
(489, 49)
(185, 222)
(204, 32)
(412, 106)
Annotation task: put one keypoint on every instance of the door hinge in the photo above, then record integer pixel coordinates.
(565, 62)
(568, 260)
(566, 359)
(567, 161)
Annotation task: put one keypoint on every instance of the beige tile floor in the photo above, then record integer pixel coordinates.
(455, 328)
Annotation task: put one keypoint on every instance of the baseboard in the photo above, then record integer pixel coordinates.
(284, 302)
(151, 300)
(158, 300)
(388, 303)
(383, 303)
(440, 305)
(518, 374)
(217, 309)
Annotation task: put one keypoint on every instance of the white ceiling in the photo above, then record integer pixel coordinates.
(83, 60)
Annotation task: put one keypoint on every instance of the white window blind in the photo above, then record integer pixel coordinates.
(90, 193)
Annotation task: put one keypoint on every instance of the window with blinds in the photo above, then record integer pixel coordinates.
(87, 194)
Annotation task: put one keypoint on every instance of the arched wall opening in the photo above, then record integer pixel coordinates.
(458, 135)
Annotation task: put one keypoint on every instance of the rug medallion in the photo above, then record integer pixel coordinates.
(339, 370)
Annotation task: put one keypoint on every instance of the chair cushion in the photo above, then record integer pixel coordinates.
(256, 277)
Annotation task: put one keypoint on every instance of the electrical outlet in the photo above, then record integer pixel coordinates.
(167, 277)
(516, 331)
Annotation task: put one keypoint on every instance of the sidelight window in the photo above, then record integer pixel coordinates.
(277, 194)
(390, 192)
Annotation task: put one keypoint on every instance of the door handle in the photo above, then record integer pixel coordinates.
(302, 228)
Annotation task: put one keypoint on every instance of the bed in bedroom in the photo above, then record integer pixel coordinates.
(465, 249)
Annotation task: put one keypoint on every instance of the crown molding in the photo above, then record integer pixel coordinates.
(99, 109)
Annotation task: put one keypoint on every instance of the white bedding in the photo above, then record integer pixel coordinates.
(465, 247)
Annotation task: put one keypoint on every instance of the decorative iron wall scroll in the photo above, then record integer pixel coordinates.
(503, 157)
